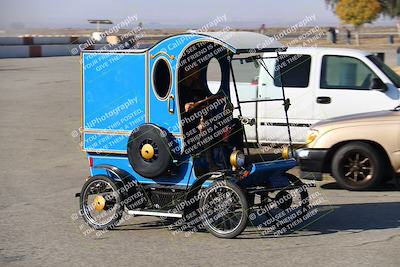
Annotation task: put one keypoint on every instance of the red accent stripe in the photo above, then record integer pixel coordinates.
(35, 51)
(90, 162)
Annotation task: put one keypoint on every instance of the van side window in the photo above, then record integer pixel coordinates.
(342, 72)
(293, 70)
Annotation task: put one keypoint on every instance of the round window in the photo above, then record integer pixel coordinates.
(214, 76)
(162, 78)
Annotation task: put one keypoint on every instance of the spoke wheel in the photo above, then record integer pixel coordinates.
(224, 209)
(100, 203)
(357, 166)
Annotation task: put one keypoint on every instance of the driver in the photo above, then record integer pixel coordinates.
(214, 134)
(193, 87)
(211, 154)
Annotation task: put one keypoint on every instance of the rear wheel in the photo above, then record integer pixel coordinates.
(224, 209)
(358, 166)
(100, 203)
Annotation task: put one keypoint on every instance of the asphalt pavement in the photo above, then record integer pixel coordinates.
(42, 168)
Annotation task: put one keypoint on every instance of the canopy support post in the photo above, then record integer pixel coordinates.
(238, 102)
(286, 104)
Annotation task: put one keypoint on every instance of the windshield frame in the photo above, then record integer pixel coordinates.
(259, 60)
(389, 72)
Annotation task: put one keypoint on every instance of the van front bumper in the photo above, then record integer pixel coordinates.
(311, 160)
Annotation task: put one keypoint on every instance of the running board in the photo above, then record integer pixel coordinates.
(154, 213)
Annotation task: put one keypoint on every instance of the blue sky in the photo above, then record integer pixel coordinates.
(73, 13)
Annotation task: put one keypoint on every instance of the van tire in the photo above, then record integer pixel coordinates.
(358, 166)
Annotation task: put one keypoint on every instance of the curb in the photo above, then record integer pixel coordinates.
(46, 40)
(24, 51)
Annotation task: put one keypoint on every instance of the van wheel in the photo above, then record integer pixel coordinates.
(358, 166)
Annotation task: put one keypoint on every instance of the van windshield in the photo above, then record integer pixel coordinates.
(386, 69)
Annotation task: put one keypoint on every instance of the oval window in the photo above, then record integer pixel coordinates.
(162, 78)
(214, 76)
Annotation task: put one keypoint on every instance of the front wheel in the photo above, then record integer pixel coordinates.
(224, 209)
(358, 166)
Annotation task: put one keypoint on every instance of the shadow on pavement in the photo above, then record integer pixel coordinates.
(388, 187)
(347, 218)
(140, 226)
(329, 219)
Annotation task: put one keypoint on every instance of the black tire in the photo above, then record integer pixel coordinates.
(207, 214)
(158, 139)
(358, 166)
(305, 201)
(302, 203)
(86, 210)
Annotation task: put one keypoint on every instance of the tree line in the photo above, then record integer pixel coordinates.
(360, 12)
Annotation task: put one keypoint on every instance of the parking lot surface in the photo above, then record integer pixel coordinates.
(42, 168)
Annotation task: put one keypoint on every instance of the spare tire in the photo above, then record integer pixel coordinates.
(148, 151)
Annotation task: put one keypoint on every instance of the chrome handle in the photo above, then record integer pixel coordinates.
(171, 104)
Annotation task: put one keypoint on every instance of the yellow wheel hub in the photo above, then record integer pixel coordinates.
(147, 151)
(99, 202)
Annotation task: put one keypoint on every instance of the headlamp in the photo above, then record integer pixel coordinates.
(237, 159)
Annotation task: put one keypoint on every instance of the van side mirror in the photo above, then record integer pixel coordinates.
(377, 84)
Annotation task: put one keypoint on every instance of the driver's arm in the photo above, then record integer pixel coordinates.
(188, 106)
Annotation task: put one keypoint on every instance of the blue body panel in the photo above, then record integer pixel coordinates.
(169, 50)
(113, 99)
(105, 142)
(116, 86)
(183, 177)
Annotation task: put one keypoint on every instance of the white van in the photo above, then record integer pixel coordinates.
(320, 83)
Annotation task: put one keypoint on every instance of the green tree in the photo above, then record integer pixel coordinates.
(390, 8)
(358, 12)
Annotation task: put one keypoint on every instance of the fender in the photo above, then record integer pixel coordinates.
(195, 188)
(121, 177)
(125, 180)
(117, 174)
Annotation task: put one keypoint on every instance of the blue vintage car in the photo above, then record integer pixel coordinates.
(161, 142)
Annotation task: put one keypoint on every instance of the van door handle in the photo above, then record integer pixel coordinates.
(171, 104)
(323, 100)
